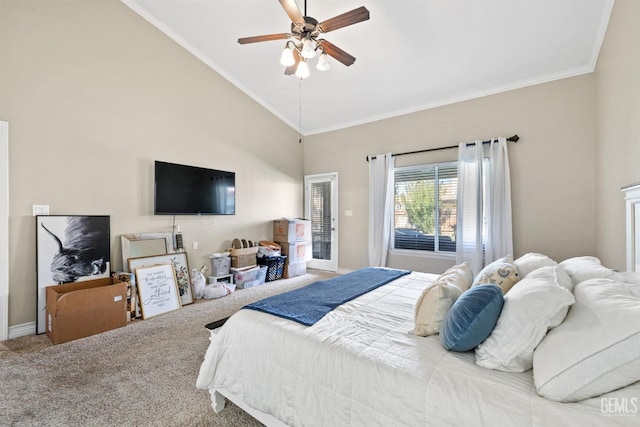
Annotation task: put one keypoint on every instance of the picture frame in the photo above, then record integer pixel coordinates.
(135, 245)
(69, 248)
(181, 268)
(158, 290)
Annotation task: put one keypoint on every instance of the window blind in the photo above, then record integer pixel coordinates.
(425, 207)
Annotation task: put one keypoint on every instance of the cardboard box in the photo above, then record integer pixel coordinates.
(294, 270)
(80, 309)
(291, 230)
(296, 251)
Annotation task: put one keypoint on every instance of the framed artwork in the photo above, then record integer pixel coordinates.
(144, 244)
(181, 268)
(158, 290)
(69, 248)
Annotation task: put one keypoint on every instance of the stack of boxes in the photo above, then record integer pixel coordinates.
(294, 237)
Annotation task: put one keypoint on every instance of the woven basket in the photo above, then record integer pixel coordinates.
(243, 257)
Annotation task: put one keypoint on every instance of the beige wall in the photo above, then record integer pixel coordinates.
(617, 79)
(552, 165)
(580, 144)
(93, 95)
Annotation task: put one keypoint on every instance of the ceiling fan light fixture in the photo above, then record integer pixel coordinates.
(302, 40)
(309, 46)
(287, 58)
(302, 72)
(323, 62)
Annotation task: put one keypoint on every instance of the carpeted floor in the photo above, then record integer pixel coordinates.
(143, 374)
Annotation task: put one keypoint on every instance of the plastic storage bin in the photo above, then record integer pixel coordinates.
(252, 277)
(220, 264)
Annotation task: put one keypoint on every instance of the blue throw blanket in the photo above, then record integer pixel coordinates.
(311, 303)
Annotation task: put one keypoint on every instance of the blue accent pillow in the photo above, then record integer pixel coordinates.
(472, 317)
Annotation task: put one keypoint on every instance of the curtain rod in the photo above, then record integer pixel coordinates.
(514, 138)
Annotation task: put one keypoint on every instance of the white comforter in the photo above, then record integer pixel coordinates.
(360, 366)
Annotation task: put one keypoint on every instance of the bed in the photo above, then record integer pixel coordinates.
(360, 365)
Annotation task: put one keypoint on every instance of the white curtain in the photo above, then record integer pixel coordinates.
(469, 210)
(499, 241)
(381, 204)
(484, 221)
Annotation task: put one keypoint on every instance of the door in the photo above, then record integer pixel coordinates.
(4, 231)
(321, 207)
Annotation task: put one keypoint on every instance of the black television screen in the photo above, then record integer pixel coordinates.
(190, 190)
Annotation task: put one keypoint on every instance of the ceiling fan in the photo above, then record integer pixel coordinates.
(304, 43)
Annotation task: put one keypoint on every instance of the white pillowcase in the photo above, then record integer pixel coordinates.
(534, 305)
(597, 347)
(437, 299)
(532, 261)
(500, 272)
(586, 267)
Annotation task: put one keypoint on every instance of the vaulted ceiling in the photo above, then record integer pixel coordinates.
(411, 55)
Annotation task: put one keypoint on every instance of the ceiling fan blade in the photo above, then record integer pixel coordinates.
(291, 69)
(349, 18)
(265, 38)
(336, 53)
(292, 10)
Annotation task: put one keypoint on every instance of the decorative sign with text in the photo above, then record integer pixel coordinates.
(158, 290)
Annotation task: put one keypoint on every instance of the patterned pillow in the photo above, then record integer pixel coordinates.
(501, 272)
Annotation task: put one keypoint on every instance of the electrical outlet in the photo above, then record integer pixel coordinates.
(40, 210)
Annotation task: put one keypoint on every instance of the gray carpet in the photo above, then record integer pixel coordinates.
(143, 374)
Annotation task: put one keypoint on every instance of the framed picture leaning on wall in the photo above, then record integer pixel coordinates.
(158, 289)
(69, 248)
(180, 265)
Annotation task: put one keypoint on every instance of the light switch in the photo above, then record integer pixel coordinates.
(194, 245)
(348, 212)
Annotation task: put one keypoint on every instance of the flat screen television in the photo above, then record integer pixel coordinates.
(190, 190)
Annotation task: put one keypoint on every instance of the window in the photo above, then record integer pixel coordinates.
(425, 207)
(321, 219)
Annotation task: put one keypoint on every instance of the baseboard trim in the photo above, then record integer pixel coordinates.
(22, 330)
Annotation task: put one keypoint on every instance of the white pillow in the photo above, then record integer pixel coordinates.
(534, 305)
(627, 277)
(597, 348)
(586, 267)
(437, 299)
(532, 261)
(500, 272)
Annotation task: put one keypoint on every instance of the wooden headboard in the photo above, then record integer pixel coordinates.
(632, 197)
